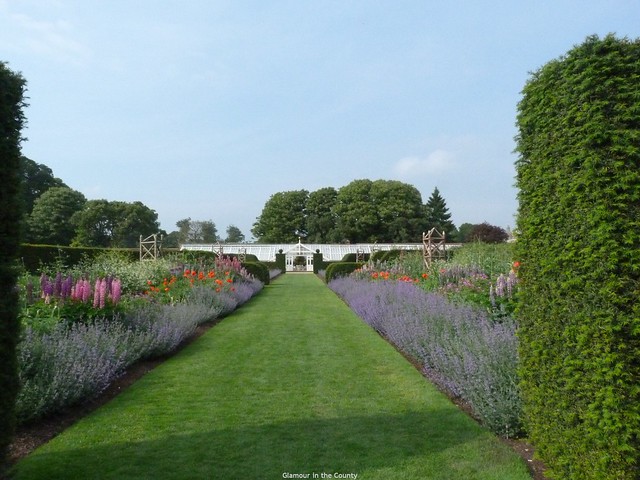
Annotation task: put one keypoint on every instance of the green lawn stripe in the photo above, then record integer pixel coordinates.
(291, 382)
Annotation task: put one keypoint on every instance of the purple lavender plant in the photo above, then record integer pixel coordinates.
(460, 347)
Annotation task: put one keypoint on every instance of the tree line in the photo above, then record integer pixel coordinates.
(364, 211)
(55, 214)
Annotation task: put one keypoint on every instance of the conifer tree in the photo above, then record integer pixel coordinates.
(438, 215)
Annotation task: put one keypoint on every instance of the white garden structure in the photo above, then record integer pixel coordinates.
(267, 252)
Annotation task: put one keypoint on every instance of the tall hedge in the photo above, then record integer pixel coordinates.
(12, 87)
(578, 175)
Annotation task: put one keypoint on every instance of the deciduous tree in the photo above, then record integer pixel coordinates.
(282, 218)
(487, 233)
(50, 221)
(36, 179)
(356, 213)
(321, 218)
(197, 231)
(113, 224)
(399, 210)
(234, 235)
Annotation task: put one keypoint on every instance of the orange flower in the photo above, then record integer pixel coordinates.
(229, 280)
(425, 275)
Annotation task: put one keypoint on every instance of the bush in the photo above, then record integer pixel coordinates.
(388, 255)
(578, 176)
(259, 270)
(351, 257)
(340, 269)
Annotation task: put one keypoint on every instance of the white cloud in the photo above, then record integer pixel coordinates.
(436, 162)
(53, 39)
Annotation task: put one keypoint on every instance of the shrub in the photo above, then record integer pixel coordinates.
(259, 270)
(340, 269)
(389, 255)
(578, 175)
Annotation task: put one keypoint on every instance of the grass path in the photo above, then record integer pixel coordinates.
(291, 383)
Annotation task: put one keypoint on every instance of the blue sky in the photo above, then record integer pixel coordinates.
(205, 108)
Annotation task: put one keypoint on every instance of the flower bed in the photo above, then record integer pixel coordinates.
(79, 335)
(456, 323)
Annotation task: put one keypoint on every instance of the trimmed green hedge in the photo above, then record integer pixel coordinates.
(578, 176)
(388, 255)
(259, 270)
(351, 257)
(12, 87)
(33, 257)
(340, 269)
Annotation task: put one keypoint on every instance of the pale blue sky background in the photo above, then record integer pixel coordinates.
(204, 109)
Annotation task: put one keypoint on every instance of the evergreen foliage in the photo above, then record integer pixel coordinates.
(438, 215)
(12, 87)
(259, 270)
(340, 269)
(578, 175)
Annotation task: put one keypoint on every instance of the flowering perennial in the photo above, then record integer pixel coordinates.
(61, 290)
(459, 346)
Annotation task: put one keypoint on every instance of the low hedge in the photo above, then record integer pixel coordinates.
(259, 270)
(388, 255)
(341, 269)
(352, 257)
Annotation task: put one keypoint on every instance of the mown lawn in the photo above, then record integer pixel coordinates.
(291, 383)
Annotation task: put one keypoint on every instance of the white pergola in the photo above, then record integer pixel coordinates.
(330, 252)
